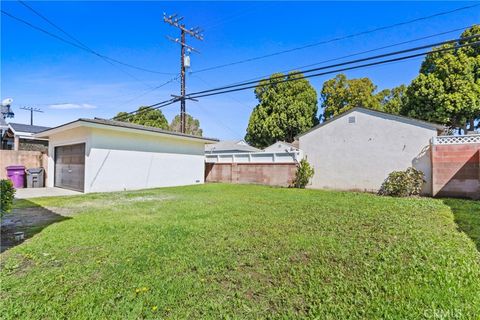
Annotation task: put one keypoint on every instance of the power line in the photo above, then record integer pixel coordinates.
(196, 96)
(150, 90)
(222, 21)
(147, 108)
(228, 96)
(335, 39)
(359, 53)
(344, 63)
(223, 90)
(81, 44)
(184, 60)
(32, 110)
(81, 47)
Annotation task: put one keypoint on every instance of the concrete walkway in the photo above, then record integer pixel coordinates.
(27, 193)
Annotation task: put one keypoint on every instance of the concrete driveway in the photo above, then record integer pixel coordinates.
(27, 193)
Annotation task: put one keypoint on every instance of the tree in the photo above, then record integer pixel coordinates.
(304, 173)
(284, 110)
(393, 100)
(145, 116)
(447, 90)
(341, 94)
(192, 125)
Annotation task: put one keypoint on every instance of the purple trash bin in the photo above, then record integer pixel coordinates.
(17, 175)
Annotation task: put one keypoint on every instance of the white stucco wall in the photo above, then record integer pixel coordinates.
(360, 155)
(125, 160)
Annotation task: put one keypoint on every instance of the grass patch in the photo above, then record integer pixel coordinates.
(237, 251)
(467, 217)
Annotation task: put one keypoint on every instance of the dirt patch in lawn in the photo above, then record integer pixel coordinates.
(108, 203)
(27, 221)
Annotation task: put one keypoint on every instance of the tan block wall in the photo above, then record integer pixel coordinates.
(456, 170)
(29, 159)
(272, 174)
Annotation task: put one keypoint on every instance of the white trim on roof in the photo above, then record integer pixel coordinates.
(377, 113)
(89, 124)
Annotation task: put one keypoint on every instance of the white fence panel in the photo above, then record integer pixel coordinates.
(255, 157)
(471, 138)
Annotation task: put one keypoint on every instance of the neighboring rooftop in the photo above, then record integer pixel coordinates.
(226, 146)
(413, 121)
(118, 124)
(20, 127)
(280, 144)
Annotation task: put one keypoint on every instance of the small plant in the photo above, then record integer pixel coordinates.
(304, 174)
(403, 183)
(7, 192)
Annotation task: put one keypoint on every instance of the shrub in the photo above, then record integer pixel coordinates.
(304, 174)
(7, 192)
(403, 183)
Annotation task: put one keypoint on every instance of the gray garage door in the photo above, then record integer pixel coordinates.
(70, 166)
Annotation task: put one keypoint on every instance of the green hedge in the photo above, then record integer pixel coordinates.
(7, 193)
(403, 183)
(304, 174)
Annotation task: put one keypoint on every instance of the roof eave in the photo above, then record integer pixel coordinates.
(431, 125)
(95, 124)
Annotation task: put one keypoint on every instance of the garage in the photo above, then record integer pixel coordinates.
(99, 155)
(70, 167)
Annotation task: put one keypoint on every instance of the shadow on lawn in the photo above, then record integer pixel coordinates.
(467, 217)
(27, 217)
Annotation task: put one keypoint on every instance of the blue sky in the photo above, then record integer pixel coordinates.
(68, 83)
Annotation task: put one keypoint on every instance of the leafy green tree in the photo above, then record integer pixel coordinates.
(393, 100)
(341, 94)
(447, 90)
(192, 125)
(145, 116)
(284, 110)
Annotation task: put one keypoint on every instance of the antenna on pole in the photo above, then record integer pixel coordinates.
(5, 108)
(196, 33)
(32, 110)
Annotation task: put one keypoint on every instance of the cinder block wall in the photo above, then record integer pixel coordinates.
(272, 174)
(29, 159)
(456, 170)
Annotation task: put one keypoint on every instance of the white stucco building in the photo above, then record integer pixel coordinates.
(281, 146)
(229, 146)
(93, 155)
(359, 148)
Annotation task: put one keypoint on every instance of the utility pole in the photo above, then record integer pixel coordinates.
(32, 110)
(184, 60)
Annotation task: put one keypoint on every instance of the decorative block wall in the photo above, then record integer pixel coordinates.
(456, 170)
(272, 174)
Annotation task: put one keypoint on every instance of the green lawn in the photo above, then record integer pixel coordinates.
(236, 251)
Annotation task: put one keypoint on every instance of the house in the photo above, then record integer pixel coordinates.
(93, 155)
(281, 146)
(229, 146)
(3, 129)
(20, 136)
(359, 148)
